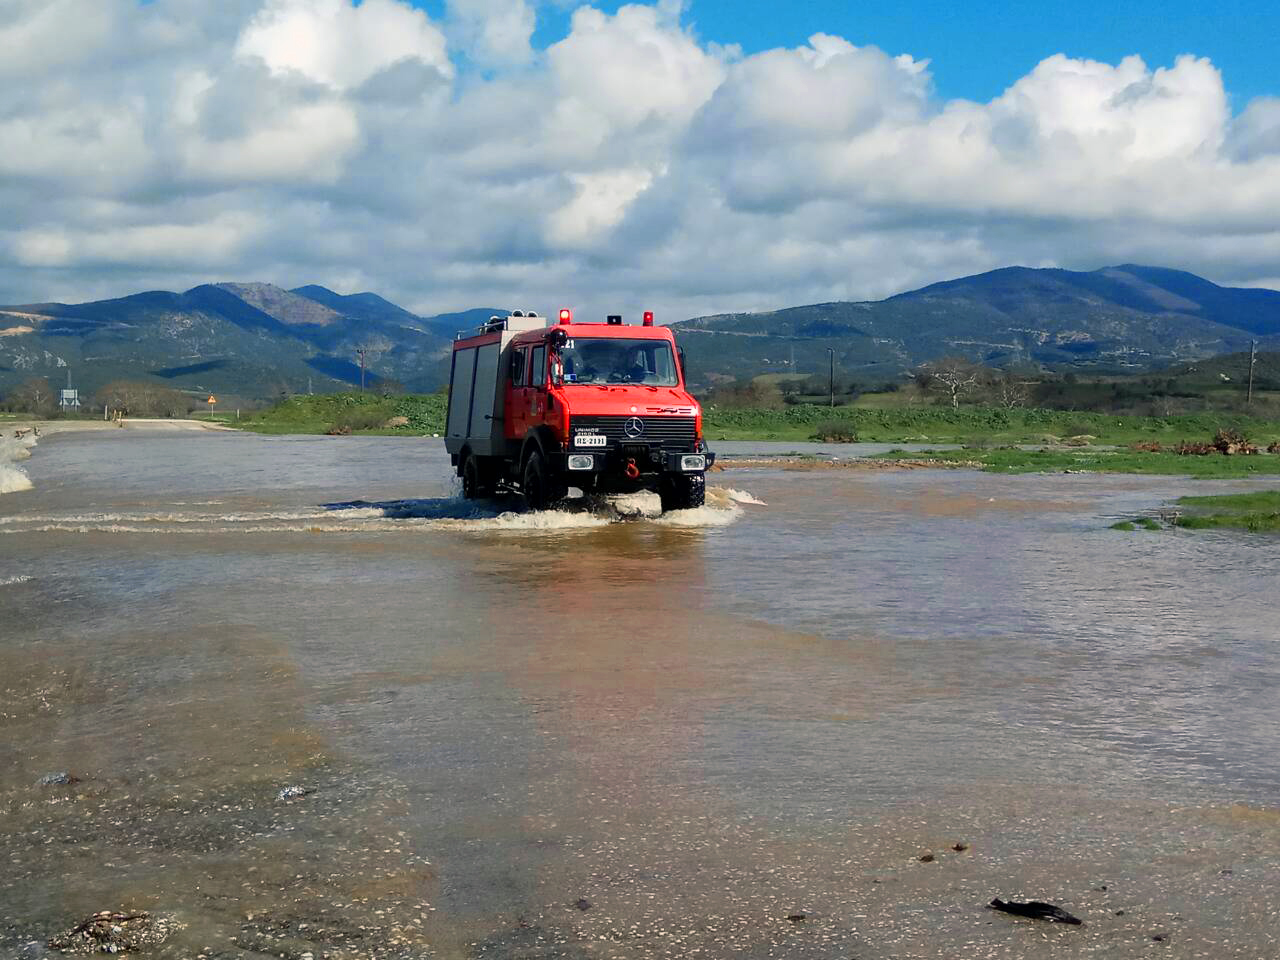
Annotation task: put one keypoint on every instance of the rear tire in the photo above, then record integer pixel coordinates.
(682, 491)
(475, 479)
(541, 489)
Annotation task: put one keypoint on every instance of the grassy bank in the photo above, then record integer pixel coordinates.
(1258, 512)
(1108, 461)
(984, 430)
(986, 426)
(362, 413)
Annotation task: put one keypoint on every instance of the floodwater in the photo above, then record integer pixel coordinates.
(591, 733)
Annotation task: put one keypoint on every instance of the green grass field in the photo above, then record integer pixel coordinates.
(986, 431)
(1107, 461)
(360, 413)
(1257, 512)
(982, 426)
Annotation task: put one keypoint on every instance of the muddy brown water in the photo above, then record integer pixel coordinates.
(570, 735)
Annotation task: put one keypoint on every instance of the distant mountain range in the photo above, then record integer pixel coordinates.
(1117, 318)
(253, 339)
(257, 340)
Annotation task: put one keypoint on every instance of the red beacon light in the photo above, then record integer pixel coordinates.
(566, 315)
(648, 318)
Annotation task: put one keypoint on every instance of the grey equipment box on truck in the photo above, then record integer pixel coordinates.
(475, 417)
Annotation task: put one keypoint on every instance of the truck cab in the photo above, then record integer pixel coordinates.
(541, 407)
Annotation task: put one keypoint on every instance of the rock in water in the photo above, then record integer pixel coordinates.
(293, 793)
(1035, 910)
(59, 779)
(108, 932)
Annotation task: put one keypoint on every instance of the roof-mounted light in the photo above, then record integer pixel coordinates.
(648, 318)
(566, 315)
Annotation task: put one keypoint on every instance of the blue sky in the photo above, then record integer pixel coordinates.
(979, 47)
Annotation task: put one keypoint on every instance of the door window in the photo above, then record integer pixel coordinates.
(517, 367)
(538, 367)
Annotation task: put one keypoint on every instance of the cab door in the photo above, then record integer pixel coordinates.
(536, 410)
(518, 394)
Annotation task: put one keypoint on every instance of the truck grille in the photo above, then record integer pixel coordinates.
(672, 432)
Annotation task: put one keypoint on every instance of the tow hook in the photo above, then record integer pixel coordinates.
(632, 471)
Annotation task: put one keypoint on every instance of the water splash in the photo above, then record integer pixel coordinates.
(13, 449)
(500, 515)
(738, 496)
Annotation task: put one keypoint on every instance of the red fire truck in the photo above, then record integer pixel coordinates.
(543, 406)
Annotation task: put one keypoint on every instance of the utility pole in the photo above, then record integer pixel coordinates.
(1253, 358)
(831, 375)
(361, 352)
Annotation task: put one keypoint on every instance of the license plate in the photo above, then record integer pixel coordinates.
(590, 439)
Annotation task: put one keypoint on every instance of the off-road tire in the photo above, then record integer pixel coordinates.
(682, 491)
(541, 490)
(476, 481)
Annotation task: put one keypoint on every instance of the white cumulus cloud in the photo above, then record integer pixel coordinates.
(494, 32)
(336, 43)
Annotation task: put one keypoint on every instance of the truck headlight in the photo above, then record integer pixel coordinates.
(581, 461)
(693, 462)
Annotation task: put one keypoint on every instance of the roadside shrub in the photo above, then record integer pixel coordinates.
(1274, 447)
(1077, 428)
(835, 431)
(1229, 441)
(1146, 446)
(1186, 449)
(361, 418)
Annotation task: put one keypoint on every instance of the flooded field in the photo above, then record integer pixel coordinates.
(830, 715)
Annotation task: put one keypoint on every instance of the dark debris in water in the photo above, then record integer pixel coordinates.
(1035, 910)
(294, 792)
(60, 778)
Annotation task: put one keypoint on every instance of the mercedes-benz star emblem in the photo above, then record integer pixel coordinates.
(634, 427)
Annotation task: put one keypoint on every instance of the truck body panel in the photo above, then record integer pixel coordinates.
(477, 395)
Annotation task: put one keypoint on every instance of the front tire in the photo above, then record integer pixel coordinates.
(540, 488)
(682, 491)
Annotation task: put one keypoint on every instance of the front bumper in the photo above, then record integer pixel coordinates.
(614, 461)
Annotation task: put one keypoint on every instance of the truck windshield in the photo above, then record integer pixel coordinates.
(612, 360)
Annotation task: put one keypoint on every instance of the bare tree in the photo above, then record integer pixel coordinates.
(141, 399)
(954, 377)
(32, 396)
(1011, 392)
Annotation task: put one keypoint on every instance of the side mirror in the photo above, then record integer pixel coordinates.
(680, 355)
